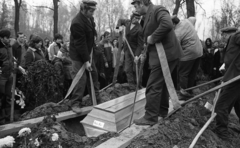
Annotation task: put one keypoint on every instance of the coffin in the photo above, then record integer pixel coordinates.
(114, 115)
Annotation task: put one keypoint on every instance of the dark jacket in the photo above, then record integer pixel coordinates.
(33, 55)
(159, 25)
(6, 58)
(133, 36)
(106, 49)
(98, 59)
(81, 38)
(232, 57)
(17, 52)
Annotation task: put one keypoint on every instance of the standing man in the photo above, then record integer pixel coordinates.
(19, 50)
(192, 52)
(230, 95)
(81, 47)
(158, 28)
(6, 79)
(134, 37)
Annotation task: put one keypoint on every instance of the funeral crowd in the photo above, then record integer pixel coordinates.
(149, 33)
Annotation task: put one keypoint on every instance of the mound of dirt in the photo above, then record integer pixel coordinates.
(43, 132)
(180, 129)
(54, 108)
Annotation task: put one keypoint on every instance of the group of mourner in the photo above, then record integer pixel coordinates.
(148, 25)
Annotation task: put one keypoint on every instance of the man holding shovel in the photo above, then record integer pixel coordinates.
(158, 32)
(133, 44)
(230, 95)
(81, 47)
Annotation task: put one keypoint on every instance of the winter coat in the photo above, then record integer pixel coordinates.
(159, 26)
(33, 55)
(82, 38)
(189, 40)
(6, 59)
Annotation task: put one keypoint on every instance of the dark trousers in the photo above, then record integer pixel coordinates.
(109, 73)
(130, 67)
(187, 72)
(78, 91)
(229, 98)
(5, 90)
(157, 96)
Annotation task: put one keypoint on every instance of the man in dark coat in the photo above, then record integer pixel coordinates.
(134, 36)
(230, 95)
(81, 47)
(158, 28)
(6, 69)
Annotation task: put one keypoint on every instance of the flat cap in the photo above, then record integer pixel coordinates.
(134, 1)
(92, 4)
(229, 29)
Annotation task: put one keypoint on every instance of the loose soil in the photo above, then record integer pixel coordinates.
(180, 129)
(54, 108)
(67, 138)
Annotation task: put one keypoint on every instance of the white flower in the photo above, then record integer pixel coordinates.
(36, 142)
(55, 137)
(24, 131)
(59, 146)
(7, 141)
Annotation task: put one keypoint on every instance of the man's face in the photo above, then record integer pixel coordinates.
(21, 38)
(135, 19)
(59, 41)
(90, 13)
(107, 37)
(5, 40)
(215, 44)
(38, 45)
(225, 37)
(139, 8)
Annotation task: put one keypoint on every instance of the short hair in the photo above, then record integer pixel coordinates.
(19, 33)
(106, 33)
(34, 40)
(175, 20)
(5, 33)
(58, 36)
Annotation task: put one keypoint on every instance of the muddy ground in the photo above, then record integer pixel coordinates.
(180, 129)
(68, 137)
(54, 108)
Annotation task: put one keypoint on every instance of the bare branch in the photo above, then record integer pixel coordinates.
(72, 4)
(44, 7)
(201, 7)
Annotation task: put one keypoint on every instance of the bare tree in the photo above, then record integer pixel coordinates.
(18, 4)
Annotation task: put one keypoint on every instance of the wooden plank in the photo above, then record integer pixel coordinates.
(118, 100)
(16, 126)
(124, 139)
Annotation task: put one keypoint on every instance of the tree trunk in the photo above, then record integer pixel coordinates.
(177, 6)
(190, 8)
(55, 16)
(17, 14)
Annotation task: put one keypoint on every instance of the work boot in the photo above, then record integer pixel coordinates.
(184, 95)
(222, 135)
(143, 121)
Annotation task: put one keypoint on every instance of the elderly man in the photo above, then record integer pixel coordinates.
(134, 37)
(230, 95)
(81, 47)
(192, 51)
(158, 28)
